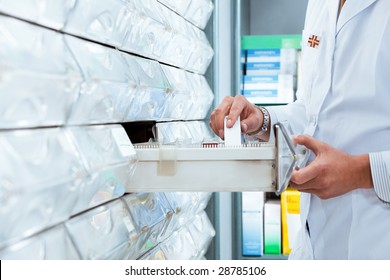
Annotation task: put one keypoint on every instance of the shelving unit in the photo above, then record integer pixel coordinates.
(79, 79)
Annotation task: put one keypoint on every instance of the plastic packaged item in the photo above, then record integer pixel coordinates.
(50, 13)
(151, 213)
(178, 106)
(201, 51)
(199, 12)
(204, 198)
(39, 78)
(40, 175)
(172, 132)
(102, 21)
(153, 89)
(154, 254)
(151, 35)
(202, 233)
(179, 7)
(199, 131)
(180, 246)
(149, 209)
(202, 97)
(185, 206)
(177, 50)
(109, 87)
(105, 232)
(52, 244)
(110, 159)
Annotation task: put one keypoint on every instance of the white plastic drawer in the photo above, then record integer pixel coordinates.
(110, 159)
(152, 89)
(109, 87)
(168, 168)
(102, 21)
(40, 176)
(106, 232)
(40, 79)
(53, 244)
(216, 167)
(202, 233)
(51, 13)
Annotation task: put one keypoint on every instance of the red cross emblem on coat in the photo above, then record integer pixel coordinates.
(314, 41)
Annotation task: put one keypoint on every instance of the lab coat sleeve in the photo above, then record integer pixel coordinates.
(380, 172)
(294, 114)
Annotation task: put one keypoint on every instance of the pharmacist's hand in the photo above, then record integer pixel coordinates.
(332, 173)
(251, 117)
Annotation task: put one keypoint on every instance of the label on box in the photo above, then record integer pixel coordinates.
(263, 55)
(263, 68)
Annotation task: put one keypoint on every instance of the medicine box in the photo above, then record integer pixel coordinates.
(252, 224)
(290, 205)
(272, 228)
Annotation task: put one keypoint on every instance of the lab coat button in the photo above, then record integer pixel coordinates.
(313, 120)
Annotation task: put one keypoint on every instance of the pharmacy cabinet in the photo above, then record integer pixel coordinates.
(73, 74)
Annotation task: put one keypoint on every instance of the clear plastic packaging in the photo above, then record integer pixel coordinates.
(200, 131)
(109, 87)
(149, 209)
(202, 233)
(199, 12)
(185, 207)
(152, 89)
(39, 78)
(180, 246)
(179, 103)
(151, 214)
(202, 97)
(177, 51)
(154, 254)
(149, 36)
(40, 176)
(172, 132)
(102, 21)
(53, 244)
(105, 232)
(201, 51)
(204, 198)
(110, 159)
(51, 13)
(180, 7)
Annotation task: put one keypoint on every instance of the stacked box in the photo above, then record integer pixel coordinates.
(252, 224)
(270, 76)
(270, 70)
(272, 228)
(290, 206)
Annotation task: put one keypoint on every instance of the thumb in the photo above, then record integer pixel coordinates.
(309, 142)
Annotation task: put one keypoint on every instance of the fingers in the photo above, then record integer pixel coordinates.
(306, 174)
(231, 107)
(218, 115)
(236, 109)
(309, 142)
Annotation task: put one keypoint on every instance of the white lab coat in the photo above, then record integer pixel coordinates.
(344, 100)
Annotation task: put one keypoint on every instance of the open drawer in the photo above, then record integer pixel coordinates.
(216, 167)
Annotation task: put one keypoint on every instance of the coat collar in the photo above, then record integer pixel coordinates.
(351, 9)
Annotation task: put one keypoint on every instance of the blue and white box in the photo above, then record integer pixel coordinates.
(275, 89)
(264, 55)
(262, 68)
(252, 224)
